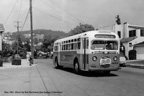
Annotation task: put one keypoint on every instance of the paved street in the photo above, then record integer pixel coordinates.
(44, 80)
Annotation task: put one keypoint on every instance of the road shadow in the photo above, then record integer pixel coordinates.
(97, 74)
(89, 73)
(65, 69)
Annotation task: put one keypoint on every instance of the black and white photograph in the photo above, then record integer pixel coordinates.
(71, 47)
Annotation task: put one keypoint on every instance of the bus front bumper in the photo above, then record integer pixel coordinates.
(104, 69)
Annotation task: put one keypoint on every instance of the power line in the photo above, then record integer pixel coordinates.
(76, 18)
(53, 16)
(25, 19)
(19, 10)
(10, 12)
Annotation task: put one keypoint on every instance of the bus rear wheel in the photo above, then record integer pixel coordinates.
(76, 68)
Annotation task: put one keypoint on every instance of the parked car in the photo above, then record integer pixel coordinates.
(42, 54)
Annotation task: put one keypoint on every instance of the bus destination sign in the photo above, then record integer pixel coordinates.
(104, 36)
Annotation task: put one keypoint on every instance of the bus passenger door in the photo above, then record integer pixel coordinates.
(59, 53)
(84, 56)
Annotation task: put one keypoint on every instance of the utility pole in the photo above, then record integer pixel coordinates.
(31, 26)
(17, 33)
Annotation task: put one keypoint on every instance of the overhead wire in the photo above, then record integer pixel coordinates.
(54, 17)
(10, 12)
(25, 19)
(71, 16)
(75, 17)
(19, 10)
(39, 11)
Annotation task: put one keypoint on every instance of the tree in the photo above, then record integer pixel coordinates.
(81, 28)
(36, 41)
(27, 45)
(47, 40)
(6, 50)
(19, 41)
(14, 47)
(47, 43)
(19, 48)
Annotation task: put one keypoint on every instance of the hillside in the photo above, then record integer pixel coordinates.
(38, 32)
(46, 32)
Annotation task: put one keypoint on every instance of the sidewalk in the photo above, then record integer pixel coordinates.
(135, 63)
(7, 65)
(131, 63)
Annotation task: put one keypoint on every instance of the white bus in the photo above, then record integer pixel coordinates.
(96, 50)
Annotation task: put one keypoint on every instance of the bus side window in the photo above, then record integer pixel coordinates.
(87, 44)
(72, 46)
(69, 46)
(79, 44)
(75, 46)
(66, 46)
(62, 47)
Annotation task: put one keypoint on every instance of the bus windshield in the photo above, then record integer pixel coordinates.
(103, 44)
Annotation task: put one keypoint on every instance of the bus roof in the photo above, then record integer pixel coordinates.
(87, 34)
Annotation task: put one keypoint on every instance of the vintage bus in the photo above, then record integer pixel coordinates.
(96, 50)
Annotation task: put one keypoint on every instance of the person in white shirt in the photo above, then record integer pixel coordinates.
(28, 57)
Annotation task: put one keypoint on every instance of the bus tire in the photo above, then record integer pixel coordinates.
(76, 68)
(56, 63)
(106, 72)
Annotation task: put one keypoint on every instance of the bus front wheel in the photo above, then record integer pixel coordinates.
(76, 68)
(106, 72)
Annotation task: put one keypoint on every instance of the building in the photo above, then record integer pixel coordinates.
(7, 38)
(1, 32)
(131, 36)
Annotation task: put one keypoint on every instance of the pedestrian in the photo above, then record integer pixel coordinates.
(30, 60)
(122, 49)
(28, 57)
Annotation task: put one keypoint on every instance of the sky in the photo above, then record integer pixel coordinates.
(64, 15)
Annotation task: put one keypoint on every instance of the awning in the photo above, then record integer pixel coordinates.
(141, 44)
(125, 40)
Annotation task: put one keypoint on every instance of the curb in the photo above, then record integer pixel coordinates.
(16, 66)
(8, 65)
(140, 66)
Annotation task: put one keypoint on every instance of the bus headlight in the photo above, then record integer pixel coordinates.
(94, 58)
(115, 58)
